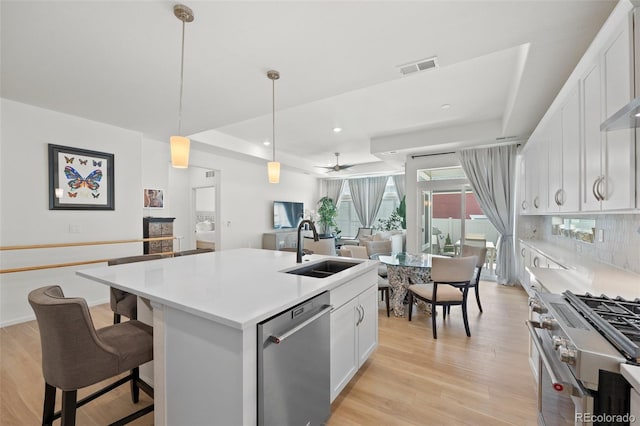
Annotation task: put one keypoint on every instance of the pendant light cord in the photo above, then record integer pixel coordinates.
(181, 84)
(273, 109)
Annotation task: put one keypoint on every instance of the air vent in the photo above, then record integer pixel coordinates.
(210, 173)
(421, 65)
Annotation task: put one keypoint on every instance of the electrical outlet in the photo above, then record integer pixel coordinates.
(600, 235)
(74, 229)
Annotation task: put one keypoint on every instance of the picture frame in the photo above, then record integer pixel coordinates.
(80, 179)
(153, 199)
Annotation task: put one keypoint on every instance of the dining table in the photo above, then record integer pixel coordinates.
(403, 270)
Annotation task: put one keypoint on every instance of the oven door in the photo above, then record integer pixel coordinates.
(562, 400)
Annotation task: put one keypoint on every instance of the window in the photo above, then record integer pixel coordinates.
(443, 173)
(347, 219)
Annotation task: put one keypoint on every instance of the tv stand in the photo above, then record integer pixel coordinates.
(280, 239)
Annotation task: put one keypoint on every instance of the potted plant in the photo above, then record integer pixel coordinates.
(327, 213)
(402, 212)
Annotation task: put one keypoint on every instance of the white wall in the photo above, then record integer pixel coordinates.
(25, 217)
(245, 201)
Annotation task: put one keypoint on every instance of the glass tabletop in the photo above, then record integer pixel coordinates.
(419, 260)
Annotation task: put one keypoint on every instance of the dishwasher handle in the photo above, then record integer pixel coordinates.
(280, 338)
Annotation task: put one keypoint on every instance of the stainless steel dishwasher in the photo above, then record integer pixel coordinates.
(294, 365)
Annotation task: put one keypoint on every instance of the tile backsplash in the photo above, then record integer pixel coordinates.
(620, 246)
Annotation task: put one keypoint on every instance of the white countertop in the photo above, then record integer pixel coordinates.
(238, 288)
(632, 374)
(583, 275)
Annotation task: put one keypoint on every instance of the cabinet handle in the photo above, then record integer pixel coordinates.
(599, 187)
(536, 202)
(522, 252)
(536, 262)
(593, 189)
(359, 316)
(362, 319)
(524, 205)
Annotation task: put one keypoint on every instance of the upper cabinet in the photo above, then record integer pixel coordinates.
(608, 158)
(564, 156)
(534, 175)
(571, 165)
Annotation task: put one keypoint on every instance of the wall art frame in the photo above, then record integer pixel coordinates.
(153, 199)
(80, 179)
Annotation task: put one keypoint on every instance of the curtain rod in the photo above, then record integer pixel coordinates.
(471, 147)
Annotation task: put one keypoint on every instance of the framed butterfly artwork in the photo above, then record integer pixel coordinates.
(80, 179)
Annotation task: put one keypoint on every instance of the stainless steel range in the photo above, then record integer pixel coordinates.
(581, 341)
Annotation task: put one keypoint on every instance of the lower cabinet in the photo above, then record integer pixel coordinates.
(354, 337)
(635, 404)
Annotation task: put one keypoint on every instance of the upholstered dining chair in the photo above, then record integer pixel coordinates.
(481, 254)
(360, 252)
(76, 355)
(122, 302)
(322, 246)
(451, 279)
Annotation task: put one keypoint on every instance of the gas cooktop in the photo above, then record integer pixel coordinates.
(617, 319)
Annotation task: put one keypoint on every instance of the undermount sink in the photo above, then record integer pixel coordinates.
(323, 269)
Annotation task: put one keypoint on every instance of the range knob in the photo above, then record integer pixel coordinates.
(547, 322)
(536, 305)
(568, 355)
(558, 341)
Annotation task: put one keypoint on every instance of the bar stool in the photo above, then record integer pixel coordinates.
(76, 355)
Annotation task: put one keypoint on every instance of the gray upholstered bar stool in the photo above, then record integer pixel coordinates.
(76, 355)
(124, 303)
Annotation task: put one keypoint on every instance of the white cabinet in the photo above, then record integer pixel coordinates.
(608, 157)
(635, 404)
(564, 156)
(534, 175)
(354, 336)
(280, 240)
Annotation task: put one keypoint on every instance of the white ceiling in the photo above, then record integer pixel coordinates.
(501, 65)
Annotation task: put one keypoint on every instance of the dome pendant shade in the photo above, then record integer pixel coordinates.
(273, 170)
(180, 152)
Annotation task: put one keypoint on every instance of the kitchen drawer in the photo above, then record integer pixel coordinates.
(344, 293)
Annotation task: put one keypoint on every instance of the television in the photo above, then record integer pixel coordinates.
(287, 214)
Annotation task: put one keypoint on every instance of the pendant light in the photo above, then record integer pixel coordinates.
(180, 144)
(273, 167)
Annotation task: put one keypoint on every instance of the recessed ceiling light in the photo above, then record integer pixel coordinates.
(445, 106)
(337, 129)
(266, 143)
(638, 114)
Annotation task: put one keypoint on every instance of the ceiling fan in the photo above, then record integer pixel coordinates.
(337, 166)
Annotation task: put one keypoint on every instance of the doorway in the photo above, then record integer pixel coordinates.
(203, 217)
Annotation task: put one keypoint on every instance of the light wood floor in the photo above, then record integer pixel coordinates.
(411, 379)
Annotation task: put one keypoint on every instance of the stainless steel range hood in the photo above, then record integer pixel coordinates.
(626, 117)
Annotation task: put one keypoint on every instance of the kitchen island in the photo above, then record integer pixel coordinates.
(206, 309)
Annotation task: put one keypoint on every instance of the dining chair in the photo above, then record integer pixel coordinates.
(451, 279)
(75, 354)
(481, 254)
(122, 302)
(322, 246)
(360, 252)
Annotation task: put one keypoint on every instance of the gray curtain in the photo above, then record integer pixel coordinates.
(491, 172)
(398, 180)
(367, 194)
(334, 189)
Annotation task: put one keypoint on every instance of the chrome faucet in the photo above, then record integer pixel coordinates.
(299, 251)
